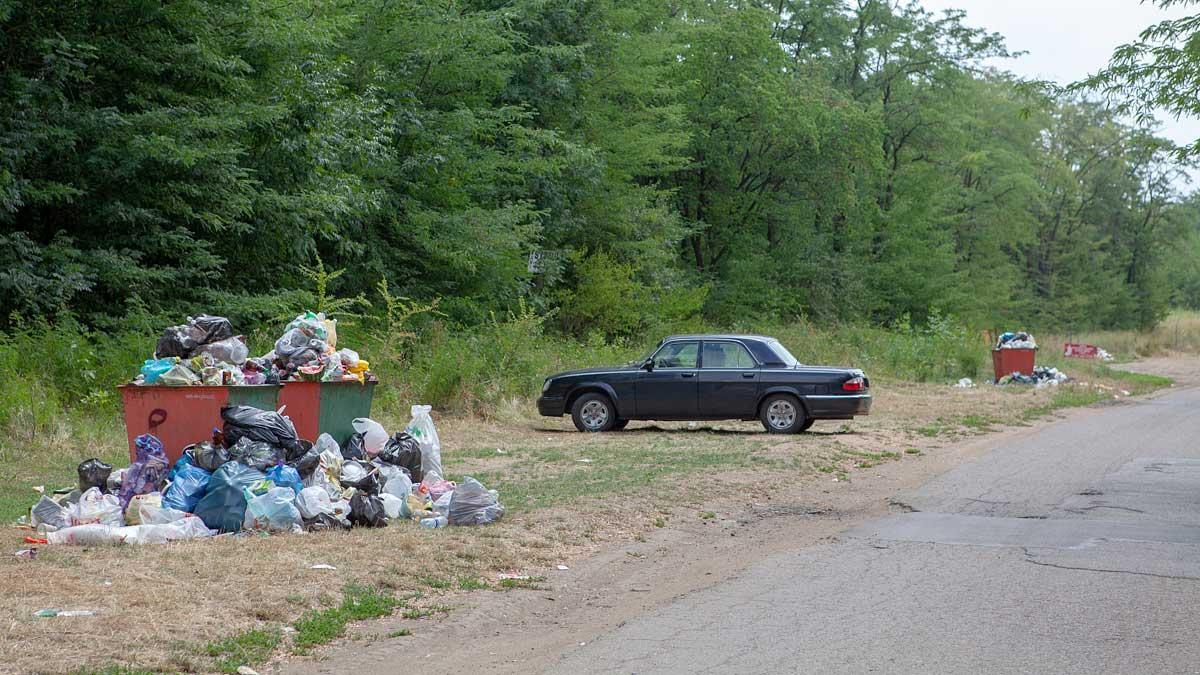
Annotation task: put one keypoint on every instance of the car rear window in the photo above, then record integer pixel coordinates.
(783, 354)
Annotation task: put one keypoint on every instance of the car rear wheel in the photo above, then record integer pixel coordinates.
(593, 413)
(783, 414)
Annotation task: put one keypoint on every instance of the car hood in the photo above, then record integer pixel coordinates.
(594, 371)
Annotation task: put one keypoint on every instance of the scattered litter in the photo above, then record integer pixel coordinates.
(501, 451)
(1042, 377)
(563, 568)
(246, 670)
(584, 460)
(1125, 393)
(49, 613)
(965, 383)
(322, 566)
(504, 576)
(27, 554)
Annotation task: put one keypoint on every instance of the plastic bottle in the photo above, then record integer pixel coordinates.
(435, 522)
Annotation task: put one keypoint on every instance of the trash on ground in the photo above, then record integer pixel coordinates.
(965, 383)
(322, 566)
(1041, 377)
(1084, 351)
(50, 613)
(505, 576)
(1019, 340)
(27, 554)
(255, 473)
(562, 568)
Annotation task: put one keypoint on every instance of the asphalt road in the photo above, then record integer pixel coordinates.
(1072, 550)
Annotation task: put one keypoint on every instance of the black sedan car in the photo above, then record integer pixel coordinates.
(709, 377)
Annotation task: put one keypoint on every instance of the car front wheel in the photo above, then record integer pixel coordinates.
(783, 414)
(593, 413)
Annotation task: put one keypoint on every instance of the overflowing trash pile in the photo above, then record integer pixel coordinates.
(256, 476)
(206, 351)
(1019, 340)
(1042, 377)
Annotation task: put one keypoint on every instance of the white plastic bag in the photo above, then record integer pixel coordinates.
(421, 428)
(398, 485)
(94, 534)
(391, 505)
(150, 514)
(373, 433)
(313, 501)
(133, 514)
(329, 467)
(95, 507)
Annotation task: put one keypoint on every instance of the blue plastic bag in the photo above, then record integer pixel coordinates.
(224, 505)
(187, 488)
(283, 475)
(152, 369)
(274, 511)
(185, 459)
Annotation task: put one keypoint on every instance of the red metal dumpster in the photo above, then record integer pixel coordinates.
(181, 416)
(1009, 361)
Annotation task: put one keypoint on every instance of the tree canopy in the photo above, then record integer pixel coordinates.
(611, 163)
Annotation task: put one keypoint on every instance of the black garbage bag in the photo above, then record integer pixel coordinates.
(208, 456)
(94, 473)
(206, 329)
(404, 451)
(367, 510)
(304, 460)
(266, 426)
(325, 521)
(175, 341)
(256, 454)
(360, 476)
(354, 448)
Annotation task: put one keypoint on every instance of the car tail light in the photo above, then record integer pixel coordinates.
(854, 384)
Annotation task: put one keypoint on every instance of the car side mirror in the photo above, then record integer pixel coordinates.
(648, 365)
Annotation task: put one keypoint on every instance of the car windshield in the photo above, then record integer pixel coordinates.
(783, 354)
(646, 357)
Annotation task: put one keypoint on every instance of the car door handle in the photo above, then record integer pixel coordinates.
(748, 375)
(687, 374)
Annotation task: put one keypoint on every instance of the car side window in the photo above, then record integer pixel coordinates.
(727, 355)
(677, 355)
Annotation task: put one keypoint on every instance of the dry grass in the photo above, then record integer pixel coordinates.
(160, 605)
(1178, 333)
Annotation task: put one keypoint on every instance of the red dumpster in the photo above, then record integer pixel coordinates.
(1009, 361)
(181, 416)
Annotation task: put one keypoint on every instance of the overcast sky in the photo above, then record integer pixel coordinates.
(1068, 39)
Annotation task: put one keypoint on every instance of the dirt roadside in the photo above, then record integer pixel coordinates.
(528, 630)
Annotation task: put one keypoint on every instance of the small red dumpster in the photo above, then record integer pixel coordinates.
(1009, 361)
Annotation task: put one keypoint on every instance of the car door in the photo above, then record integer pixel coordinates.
(728, 380)
(669, 390)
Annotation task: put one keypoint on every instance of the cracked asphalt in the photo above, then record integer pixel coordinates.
(1075, 549)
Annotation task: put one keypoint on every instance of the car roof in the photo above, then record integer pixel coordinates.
(719, 336)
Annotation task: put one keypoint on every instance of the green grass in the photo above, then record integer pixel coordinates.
(532, 583)
(318, 627)
(403, 632)
(245, 649)
(471, 584)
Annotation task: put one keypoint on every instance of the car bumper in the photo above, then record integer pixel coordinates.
(552, 406)
(839, 406)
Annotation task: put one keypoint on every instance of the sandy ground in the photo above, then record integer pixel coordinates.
(656, 511)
